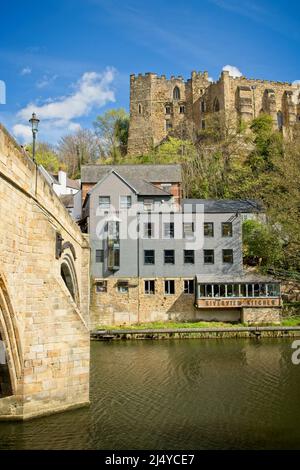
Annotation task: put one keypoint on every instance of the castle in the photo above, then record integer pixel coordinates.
(160, 107)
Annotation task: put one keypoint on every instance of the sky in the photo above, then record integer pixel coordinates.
(70, 60)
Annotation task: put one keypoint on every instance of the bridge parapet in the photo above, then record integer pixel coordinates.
(44, 293)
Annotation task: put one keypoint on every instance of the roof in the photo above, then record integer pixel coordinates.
(67, 200)
(151, 173)
(224, 206)
(234, 278)
(74, 184)
(141, 187)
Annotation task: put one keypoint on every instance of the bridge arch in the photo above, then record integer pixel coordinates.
(9, 334)
(68, 274)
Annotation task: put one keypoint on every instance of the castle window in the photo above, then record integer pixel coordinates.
(140, 109)
(168, 109)
(181, 109)
(101, 286)
(203, 124)
(216, 105)
(168, 125)
(176, 93)
(202, 106)
(280, 120)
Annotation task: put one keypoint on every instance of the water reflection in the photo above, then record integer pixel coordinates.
(200, 394)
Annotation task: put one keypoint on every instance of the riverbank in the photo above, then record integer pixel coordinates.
(171, 330)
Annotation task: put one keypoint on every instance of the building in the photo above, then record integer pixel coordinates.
(160, 107)
(67, 189)
(156, 256)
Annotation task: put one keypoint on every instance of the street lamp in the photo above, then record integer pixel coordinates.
(34, 121)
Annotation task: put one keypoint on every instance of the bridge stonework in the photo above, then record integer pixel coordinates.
(44, 294)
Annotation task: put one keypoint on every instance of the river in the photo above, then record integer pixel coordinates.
(178, 394)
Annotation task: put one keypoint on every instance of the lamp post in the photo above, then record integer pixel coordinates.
(34, 121)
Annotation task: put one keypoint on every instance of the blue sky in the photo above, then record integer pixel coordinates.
(71, 59)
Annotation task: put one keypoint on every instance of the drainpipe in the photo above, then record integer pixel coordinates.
(138, 263)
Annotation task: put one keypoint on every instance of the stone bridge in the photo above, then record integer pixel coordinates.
(44, 294)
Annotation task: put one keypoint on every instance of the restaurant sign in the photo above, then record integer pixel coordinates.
(238, 303)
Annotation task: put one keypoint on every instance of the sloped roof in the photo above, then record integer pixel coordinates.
(67, 200)
(223, 205)
(151, 173)
(141, 187)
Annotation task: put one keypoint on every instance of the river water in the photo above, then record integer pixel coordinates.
(178, 394)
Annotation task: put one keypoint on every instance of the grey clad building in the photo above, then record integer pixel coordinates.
(157, 256)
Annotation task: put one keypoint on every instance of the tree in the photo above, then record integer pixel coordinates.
(46, 156)
(112, 130)
(261, 244)
(78, 149)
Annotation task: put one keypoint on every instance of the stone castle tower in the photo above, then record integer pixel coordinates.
(160, 107)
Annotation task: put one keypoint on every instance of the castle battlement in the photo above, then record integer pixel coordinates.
(162, 106)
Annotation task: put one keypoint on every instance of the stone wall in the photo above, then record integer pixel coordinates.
(45, 329)
(114, 308)
(242, 99)
(261, 315)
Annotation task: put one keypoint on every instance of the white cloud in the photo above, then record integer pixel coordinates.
(296, 82)
(26, 71)
(93, 90)
(22, 132)
(233, 71)
(45, 81)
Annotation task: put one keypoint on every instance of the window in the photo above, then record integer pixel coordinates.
(149, 287)
(188, 286)
(169, 230)
(202, 106)
(209, 257)
(227, 256)
(99, 256)
(169, 256)
(149, 257)
(168, 109)
(170, 287)
(188, 229)
(104, 202)
(148, 205)
(208, 229)
(168, 125)
(176, 93)
(181, 109)
(123, 287)
(216, 106)
(189, 257)
(280, 120)
(125, 202)
(203, 124)
(101, 286)
(140, 109)
(148, 230)
(226, 229)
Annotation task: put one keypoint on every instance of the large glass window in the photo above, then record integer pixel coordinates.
(169, 230)
(208, 229)
(188, 229)
(169, 257)
(209, 257)
(99, 256)
(148, 230)
(149, 257)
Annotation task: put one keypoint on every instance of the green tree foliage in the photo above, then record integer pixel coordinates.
(261, 244)
(112, 130)
(46, 156)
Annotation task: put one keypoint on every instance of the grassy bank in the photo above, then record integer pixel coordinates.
(289, 321)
